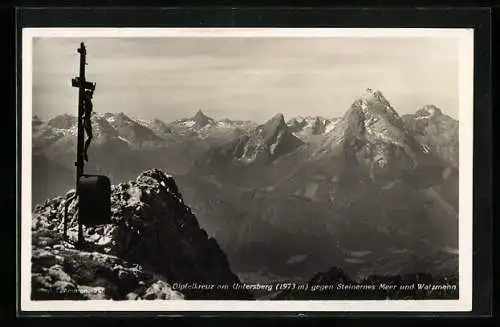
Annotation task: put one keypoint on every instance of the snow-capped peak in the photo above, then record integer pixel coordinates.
(279, 118)
(202, 120)
(372, 107)
(199, 121)
(374, 95)
(428, 111)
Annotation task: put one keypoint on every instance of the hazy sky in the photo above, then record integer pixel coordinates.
(245, 78)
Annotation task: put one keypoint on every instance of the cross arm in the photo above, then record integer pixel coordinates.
(76, 82)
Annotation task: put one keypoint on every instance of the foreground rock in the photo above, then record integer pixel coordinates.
(154, 241)
(69, 274)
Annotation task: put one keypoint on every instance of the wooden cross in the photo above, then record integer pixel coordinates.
(82, 84)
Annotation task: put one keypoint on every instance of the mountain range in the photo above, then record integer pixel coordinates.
(370, 191)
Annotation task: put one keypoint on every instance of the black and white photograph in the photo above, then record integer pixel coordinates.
(247, 169)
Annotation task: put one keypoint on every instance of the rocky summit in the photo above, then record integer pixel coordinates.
(153, 243)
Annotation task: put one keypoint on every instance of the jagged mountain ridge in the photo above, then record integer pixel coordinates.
(309, 127)
(137, 132)
(244, 158)
(203, 126)
(117, 137)
(369, 185)
(151, 227)
(266, 142)
(198, 121)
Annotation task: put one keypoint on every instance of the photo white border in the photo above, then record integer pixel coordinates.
(466, 73)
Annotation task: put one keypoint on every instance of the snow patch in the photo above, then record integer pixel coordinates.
(429, 113)
(426, 148)
(364, 104)
(248, 155)
(360, 254)
(424, 117)
(331, 126)
(447, 173)
(104, 240)
(125, 140)
(296, 259)
(451, 250)
(135, 196)
(273, 146)
(311, 190)
(223, 124)
(145, 123)
(188, 123)
(389, 185)
(270, 188)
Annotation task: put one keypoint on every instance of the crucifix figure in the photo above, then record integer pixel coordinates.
(87, 125)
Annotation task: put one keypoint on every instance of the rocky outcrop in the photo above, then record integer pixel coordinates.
(154, 240)
(61, 272)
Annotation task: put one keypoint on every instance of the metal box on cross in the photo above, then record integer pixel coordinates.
(94, 200)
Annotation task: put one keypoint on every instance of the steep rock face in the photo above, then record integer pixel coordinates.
(438, 135)
(437, 132)
(261, 146)
(265, 142)
(152, 227)
(201, 120)
(373, 139)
